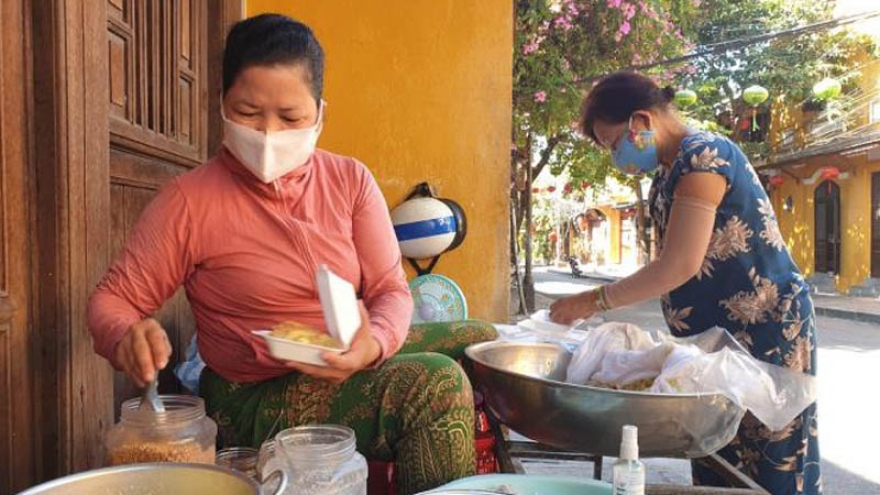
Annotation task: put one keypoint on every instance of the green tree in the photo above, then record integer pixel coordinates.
(787, 66)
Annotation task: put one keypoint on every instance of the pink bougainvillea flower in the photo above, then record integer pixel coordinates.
(624, 28)
(563, 22)
(614, 3)
(540, 96)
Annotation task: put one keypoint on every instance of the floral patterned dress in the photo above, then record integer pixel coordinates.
(750, 285)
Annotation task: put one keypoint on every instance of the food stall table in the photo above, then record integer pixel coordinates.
(523, 387)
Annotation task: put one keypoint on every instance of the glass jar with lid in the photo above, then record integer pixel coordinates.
(319, 460)
(182, 433)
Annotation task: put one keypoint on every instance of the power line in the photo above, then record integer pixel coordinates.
(736, 44)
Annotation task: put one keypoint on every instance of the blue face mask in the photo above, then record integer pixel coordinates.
(636, 152)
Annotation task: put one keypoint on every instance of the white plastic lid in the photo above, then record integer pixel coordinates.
(629, 443)
(340, 305)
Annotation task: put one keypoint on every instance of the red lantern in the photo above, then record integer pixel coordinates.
(830, 173)
(568, 188)
(585, 184)
(535, 190)
(776, 180)
(553, 237)
(551, 189)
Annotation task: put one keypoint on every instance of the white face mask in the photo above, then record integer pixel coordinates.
(270, 156)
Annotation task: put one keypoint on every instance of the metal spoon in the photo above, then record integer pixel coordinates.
(150, 400)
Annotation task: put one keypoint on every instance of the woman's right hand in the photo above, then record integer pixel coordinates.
(571, 308)
(143, 351)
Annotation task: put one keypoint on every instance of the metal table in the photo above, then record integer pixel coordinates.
(508, 453)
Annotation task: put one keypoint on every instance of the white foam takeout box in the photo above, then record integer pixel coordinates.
(340, 305)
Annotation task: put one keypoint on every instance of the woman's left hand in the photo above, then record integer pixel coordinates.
(363, 352)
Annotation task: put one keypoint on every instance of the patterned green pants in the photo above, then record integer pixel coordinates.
(416, 409)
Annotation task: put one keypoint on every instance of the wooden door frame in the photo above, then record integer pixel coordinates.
(71, 170)
(19, 356)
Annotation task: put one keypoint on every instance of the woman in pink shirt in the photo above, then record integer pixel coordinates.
(244, 234)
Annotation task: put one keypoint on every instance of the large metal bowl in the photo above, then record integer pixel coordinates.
(156, 479)
(523, 384)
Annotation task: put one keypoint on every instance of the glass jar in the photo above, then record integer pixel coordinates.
(241, 459)
(183, 433)
(321, 460)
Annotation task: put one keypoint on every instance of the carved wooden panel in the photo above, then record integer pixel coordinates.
(157, 52)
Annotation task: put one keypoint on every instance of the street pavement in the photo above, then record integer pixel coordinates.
(849, 371)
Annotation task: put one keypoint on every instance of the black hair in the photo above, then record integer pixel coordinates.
(270, 39)
(618, 95)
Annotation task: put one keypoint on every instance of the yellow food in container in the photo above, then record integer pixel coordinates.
(304, 334)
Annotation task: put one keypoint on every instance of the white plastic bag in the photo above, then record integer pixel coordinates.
(712, 362)
(589, 358)
(775, 395)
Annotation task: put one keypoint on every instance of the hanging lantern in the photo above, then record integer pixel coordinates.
(551, 189)
(830, 173)
(754, 96)
(685, 97)
(827, 89)
(585, 184)
(776, 180)
(554, 236)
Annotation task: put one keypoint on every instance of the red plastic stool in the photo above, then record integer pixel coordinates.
(380, 478)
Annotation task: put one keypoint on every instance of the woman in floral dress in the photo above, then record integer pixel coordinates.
(722, 262)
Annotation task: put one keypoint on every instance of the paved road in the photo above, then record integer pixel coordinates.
(849, 380)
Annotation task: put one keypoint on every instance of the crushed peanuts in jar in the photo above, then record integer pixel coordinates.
(134, 453)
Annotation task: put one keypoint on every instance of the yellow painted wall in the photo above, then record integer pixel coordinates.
(421, 91)
(612, 216)
(855, 216)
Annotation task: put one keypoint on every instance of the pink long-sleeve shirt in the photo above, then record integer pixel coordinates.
(246, 253)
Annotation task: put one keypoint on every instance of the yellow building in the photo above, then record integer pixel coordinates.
(608, 225)
(421, 91)
(825, 187)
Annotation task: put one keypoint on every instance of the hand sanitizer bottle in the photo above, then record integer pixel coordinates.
(629, 473)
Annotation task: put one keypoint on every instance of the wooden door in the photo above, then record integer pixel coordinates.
(121, 99)
(17, 352)
(875, 225)
(827, 215)
(158, 126)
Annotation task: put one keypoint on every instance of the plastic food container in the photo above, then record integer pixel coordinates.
(318, 460)
(341, 313)
(289, 350)
(183, 433)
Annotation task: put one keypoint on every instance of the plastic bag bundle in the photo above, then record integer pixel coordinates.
(712, 362)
